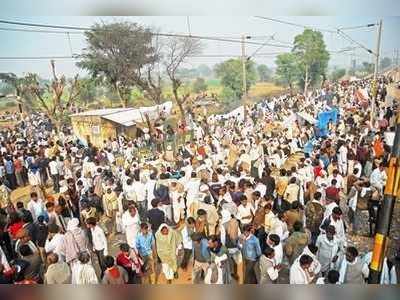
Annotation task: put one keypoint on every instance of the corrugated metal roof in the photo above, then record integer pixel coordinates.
(100, 112)
(126, 118)
(129, 116)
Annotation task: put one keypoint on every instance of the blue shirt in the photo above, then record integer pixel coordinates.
(9, 167)
(144, 244)
(251, 248)
(205, 251)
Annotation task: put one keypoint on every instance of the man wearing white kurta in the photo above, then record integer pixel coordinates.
(299, 273)
(329, 248)
(335, 219)
(131, 224)
(192, 188)
(342, 159)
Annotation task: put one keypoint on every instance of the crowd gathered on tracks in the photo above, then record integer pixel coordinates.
(264, 197)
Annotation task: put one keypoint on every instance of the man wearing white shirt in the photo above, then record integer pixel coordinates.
(130, 191)
(331, 204)
(269, 269)
(315, 267)
(140, 192)
(192, 188)
(335, 219)
(54, 242)
(245, 211)
(378, 177)
(36, 206)
(339, 179)
(262, 188)
(342, 159)
(99, 241)
(187, 242)
(279, 226)
(128, 152)
(54, 174)
(329, 249)
(110, 157)
(299, 271)
(131, 225)
(149, 187)
(274, 241)
(353, 270)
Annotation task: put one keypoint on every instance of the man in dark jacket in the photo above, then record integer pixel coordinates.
(269, 182)
(155, 216)
(161, 191)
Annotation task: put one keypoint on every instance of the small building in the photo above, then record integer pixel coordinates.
(95, 126)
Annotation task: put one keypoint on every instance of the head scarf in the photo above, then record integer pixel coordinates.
(167, 245)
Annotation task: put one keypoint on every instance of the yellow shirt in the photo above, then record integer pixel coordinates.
(281, 185)
(110, 202)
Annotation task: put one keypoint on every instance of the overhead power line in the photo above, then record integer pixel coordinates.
(349, 38)
(35, 57)
(44, 25)
(339, 31)
(210, 38)
(358, 27)
(39, 30)
(295, 24)
(82, 32)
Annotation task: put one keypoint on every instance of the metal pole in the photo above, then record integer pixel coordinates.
(244, 85)
(375, 83)
(392, 191)
(397, 66)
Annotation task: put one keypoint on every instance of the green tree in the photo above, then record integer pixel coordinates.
(385, 62)
(311, 56)
(119, 53)
(17, 88)
(199, 85)
(286, 69)
(231, 73)
(367, 68)
(337, 73)
(88, 90)
(264, 73)
(5, 88)
(204, 70)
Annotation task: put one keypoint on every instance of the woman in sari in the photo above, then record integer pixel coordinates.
(167, 241)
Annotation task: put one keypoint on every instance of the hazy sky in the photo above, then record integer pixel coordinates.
(203, 7)
(44, 44)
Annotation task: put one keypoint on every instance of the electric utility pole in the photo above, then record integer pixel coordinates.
(244, 85)
(397, 66)
(375, 83)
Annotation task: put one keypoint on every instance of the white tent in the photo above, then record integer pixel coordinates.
(307, 117)
(130, 116)
(237, 113)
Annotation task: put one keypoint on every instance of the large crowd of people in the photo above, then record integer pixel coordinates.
(262, 197)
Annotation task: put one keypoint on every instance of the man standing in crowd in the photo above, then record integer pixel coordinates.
(240, 193)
